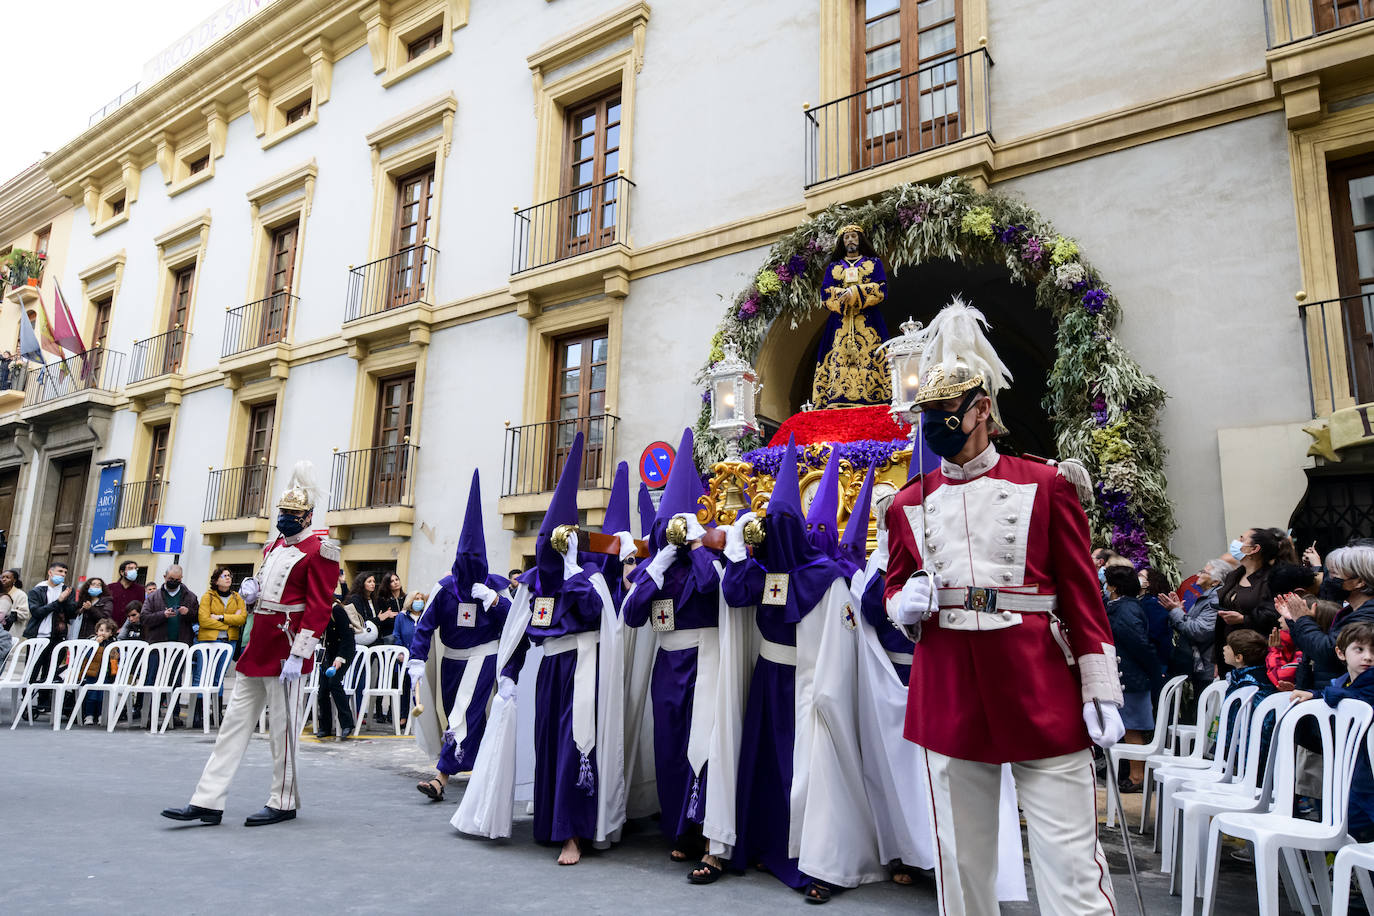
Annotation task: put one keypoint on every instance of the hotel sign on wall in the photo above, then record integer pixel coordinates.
(223, 21)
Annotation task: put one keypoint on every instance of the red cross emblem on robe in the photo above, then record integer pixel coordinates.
(467, 615)
(542, 616)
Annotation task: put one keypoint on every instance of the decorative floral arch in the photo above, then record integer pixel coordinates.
(1104, 408)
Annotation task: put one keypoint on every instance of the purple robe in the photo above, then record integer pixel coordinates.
(694, 586)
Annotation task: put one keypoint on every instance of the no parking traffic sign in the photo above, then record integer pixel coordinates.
(655, 463)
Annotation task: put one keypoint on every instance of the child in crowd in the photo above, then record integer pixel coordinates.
(104, 634)
(1355, 647)
(1245, 652)
(132, 629)
(1284, 659)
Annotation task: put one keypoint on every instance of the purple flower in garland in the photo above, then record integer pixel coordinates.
(815, 247)
(796, 266)
(1034, 250)
(1010, 234)
(862, 454)
(1094, 300)
(784, 274)
(749, 307)
(706, 396)
(1100, 410)
(1129, 540)
(908, 215)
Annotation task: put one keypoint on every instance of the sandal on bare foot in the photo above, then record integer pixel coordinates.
(705, 873)
(816, 892)
(677, 855)
(434, 789)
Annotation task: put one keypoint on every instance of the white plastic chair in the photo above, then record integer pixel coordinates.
(1277, 836)
(75, 655)
(1166, 720)
(386, 665)
(214, 662)
(132, 653)
(171, 657)
(1232, 732)
(124, 654)
(1192, 809)
(19, 666)
(312, 689)
(1185, 736)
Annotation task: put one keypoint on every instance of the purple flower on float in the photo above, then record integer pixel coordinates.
(1094, 300)
(749, 307)
(815, 246)
(908, 215)
(1099, 409)
(784, 275)
(706, 395)
(862, 455)
(1010, 234)
(1034, 250)
(796, 265)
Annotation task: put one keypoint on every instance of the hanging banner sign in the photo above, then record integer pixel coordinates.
(106, 506)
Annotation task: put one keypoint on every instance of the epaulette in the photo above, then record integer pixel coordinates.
(329, 549)
(1072, 470)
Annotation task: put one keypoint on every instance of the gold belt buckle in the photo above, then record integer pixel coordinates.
(982, 600)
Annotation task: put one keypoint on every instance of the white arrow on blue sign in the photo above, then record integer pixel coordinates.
(168, 538)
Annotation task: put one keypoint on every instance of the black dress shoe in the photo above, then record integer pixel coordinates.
(194, 813)
(270, 816)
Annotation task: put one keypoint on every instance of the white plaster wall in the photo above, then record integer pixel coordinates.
(1262, 475)
(1203, 262)
(1070, 59)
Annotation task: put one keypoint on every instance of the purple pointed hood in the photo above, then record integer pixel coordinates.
(646, 510)
(562, 511)
(786, 547)
(822, 518)
(618, 508)
(854, 545)
(470, 562)
(681, 491)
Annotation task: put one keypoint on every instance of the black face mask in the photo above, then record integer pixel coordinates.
(943, 429)
(289, 524)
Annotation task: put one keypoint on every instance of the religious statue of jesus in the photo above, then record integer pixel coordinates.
(850, 370)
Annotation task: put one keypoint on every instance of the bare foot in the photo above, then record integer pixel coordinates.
(571, 853)
(704, 875)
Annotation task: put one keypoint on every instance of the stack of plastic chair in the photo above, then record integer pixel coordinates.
(214, 661)
(1186, 737)
(386, 665)
(1192, 809)
(19, 667)
(1186, 772)
(1192, 751)
(66, 668)
(1166, 717)
(1277, 836)
(131, 672)
(124, 654)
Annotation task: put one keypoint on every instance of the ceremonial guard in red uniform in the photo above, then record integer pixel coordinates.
(991, 573)
(294, 590)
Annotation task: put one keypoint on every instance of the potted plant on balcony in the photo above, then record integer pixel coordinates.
(23, 267)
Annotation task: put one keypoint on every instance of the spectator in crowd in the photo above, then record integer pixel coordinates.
(1138, 661)
(5, 369)
(363, 601)
(405, 632)
(14, 612)
(1195, 626)
(1351, 570)
(1283, 660)
(52, 606)
(132, 628)
(168, 615)
(221, 613)
(514, 585)
(1101, 557)
(123, 589)
(104, 633)
(1152, 585)
(341, 592)
(1245, 599)
(390, 604)
(94, 604)
(339, 649)
(149, 589)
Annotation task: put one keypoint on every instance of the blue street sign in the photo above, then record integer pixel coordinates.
(168, 538)
(655, 463)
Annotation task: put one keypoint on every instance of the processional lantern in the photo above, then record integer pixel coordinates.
(904, 360)
(733, 389)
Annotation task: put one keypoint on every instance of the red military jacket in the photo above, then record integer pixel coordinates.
(998, 687)
(297, 572)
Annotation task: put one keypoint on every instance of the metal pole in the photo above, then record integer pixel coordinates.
(1114, 795)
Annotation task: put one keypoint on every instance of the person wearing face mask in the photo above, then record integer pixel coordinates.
(94, 601)
(52, 606)
(169, 613)
(1351, 570)
(1195, 624)
(291, 596)
(1246, 601)
(124, 588)
(990, 571)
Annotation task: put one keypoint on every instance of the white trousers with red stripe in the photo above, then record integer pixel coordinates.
(1058, 796)
(240, 718)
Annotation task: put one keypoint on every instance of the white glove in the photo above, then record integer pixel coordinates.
(570, 565)
(628, 547)
(248, 590)
(415, 668)
(734, 538)
(918, 600)
(659, 565)
(694, 529)
(1109, 730)
(291, 668)
(481, 593)
(505, 688)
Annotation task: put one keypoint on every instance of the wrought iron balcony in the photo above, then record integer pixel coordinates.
(242, 492)
(140, 502)
(257, 324)
(1287, 21)
(588, 219)
(906, 115)
(1338, 337)
(404, 278)
(534, 454)
(164, 354)
(97, 369)
(374, 478)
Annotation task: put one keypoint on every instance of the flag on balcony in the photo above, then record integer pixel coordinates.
(28, 341)
(44, 328)
(64, 326)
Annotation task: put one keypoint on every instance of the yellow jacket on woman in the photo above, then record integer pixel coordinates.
(234, 611)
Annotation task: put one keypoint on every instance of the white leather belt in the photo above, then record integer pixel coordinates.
(900, 658)
(778, 653)
(276, 607)
(557, 645)
(485, 649)
(677, 640)
(1023, 602)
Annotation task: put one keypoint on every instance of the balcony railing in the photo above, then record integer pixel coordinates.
(908, 114)
(243, 492)
(161, 355)
(140, 502)
(534, 454)
(588, 219)
(1338, 335)
(1287, 21)
(257, 324)
(374, 478)
(13, 375)
(97, 369)
(397, 280)
(114, 103)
